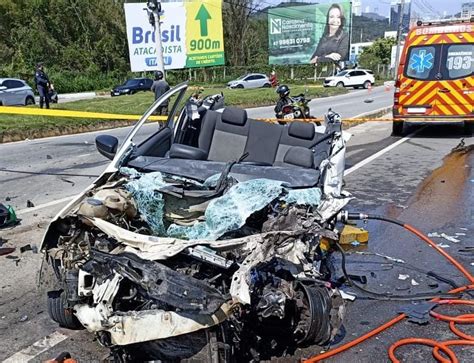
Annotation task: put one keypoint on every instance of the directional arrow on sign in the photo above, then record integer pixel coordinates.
(203, 16)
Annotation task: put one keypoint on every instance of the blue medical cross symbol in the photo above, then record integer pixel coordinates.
(421, 61)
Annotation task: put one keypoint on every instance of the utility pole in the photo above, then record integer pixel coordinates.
(154, 9)
(399, 36)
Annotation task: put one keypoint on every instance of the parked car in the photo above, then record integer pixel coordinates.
(356, 78)
(15, 92)
(132, 86)
(251, 80)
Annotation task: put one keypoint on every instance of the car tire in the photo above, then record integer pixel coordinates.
(267, 85)
(59, 313)
(397, 128)
(207, 345)
(239, 86)
(367, 84)
(131, 92)
(340, 84)
(29, 101)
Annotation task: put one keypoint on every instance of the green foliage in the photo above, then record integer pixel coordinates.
(378, 53)
(365, 29)
(77, 39)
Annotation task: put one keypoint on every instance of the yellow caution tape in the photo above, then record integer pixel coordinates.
(77, 114)
(113, 116)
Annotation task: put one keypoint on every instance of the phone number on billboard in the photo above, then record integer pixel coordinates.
(292, 41)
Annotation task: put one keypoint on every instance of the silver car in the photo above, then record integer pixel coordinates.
(251, 80)
(15, 92)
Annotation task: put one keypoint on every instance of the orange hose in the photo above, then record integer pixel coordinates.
(442, 252)
(436, 349)
(467, 318)
(356, 341)
(459, 333)
(429, 342)
(400, 317)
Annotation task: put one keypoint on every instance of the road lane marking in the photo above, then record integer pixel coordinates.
(380, 153)
(38, 347)
(45, 205)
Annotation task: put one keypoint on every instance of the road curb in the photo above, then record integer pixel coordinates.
(371, 114)
(39, 134)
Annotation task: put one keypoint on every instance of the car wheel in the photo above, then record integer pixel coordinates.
(367, 84)
(340, 84)
(239, 86)
(208, 345)
(131, 92)
(29, 101)
(397, 128)
(267, 85)
(59, 313)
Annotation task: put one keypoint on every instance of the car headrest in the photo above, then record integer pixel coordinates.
(234, 116)
(299, 156)
(301, 130)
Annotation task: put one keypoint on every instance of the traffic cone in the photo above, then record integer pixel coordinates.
(387, 87)
(369, 89)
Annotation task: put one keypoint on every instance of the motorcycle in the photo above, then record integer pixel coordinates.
(297, 109)
(52, 94)
(194, 110)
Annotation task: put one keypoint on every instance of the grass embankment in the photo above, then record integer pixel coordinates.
(18, 127)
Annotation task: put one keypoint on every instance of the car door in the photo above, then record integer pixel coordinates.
(10, 94)
(142, 85)
(19, 90)
(249, 82)
(455, 97)
(259, 80)
(148, 84)
(350, 79)
(358, 78)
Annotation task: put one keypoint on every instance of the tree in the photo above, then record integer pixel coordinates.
(236, 18)
(380, 52)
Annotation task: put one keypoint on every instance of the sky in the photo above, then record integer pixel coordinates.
(420, 6)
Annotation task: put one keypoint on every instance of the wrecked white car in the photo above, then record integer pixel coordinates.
(210, 239)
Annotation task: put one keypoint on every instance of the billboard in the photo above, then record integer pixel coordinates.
(191, 35)
(309, 33)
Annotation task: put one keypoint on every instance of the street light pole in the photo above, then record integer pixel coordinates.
(399, 35)
(154, 7)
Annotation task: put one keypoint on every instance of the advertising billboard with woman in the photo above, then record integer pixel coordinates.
(309, 33)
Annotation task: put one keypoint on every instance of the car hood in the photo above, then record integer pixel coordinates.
(122, 87)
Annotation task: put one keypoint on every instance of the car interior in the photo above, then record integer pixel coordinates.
(290, 153)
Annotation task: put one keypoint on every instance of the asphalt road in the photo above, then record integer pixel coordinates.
(418, 180)
(355, 103)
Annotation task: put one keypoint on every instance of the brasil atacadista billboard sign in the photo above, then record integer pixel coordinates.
(309, 33)
(191, 35)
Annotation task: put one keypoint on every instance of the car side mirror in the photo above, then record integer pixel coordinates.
(107, 145)
(3, 88)
(346, 76)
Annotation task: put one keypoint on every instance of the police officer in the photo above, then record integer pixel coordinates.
(42, 85)
(284, 92)
(160, 87)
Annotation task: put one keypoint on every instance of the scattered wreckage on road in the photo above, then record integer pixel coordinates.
(209, 239)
